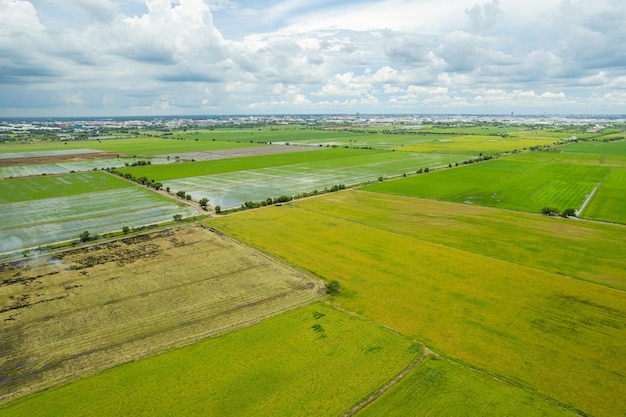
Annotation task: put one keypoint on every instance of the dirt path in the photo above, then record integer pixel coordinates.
(588, 199)
(373, 396)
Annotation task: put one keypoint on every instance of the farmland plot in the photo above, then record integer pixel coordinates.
(143, 146)
(74, 166)
(30, 223)
(45, 153)
(509, 182)
(234, 188)
(609, 200)
(71, 313)
(560, 336)
(312, 361)
(433, 389)
(475, 144)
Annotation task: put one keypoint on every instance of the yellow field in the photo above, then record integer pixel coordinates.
(560, 336)
(83, 310)
(477, 144)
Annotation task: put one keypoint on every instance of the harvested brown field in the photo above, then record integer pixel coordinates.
(73, 313)
(55, 159)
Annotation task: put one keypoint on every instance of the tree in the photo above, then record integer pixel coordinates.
(125, 230)
(333, 287)
(548, 211)
(218, 209)
(178, 217)
(180, 194)
(203, 202)
(569, 212)
(84, 237)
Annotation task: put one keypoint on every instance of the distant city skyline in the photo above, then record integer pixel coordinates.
(99, 58)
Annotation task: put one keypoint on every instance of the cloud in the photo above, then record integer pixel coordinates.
(406, 48)
(484, 16)
(345, 85)
(102, 11)
(158, 56)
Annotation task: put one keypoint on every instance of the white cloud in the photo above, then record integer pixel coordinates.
(485, 16)
(345, 85)
(103, 11)
(171, 55)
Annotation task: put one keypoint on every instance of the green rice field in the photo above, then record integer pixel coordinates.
(313, 361)
(504, 183)
(457, 297)
(44, 210)
(590, 182)
(476, 144)
(231, 182)
(231, 189)
(69, 167)
(139, 146)
(548, 332)
(439, 387)
(609, 200)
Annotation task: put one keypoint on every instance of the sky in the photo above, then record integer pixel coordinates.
(215, 57)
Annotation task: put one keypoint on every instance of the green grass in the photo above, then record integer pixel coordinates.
(303, 136)
(439, 387)
(37, 188)
(192, 169)
(560, 336)
(314, 361)
(609, 201)
(509, 183)
(601, 148)
(563, 155)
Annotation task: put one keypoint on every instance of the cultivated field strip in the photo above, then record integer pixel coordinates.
(37, 154)
(44, 187)
(609, 200)
(440, 386)
(77, 312)
(77, 166)
(511, 183)
(234, 188)
(560, 336)
(45, 221)
(311, 361)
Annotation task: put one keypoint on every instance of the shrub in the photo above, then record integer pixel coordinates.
(333, 287)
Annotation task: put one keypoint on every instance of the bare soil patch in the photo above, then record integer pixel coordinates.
(55, 159)
(76, 312)
(241, 152)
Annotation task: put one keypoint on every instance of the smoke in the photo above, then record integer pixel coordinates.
(10, 244)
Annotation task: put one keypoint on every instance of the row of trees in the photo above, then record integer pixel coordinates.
(140, 180)
(553, 211)
(283, 199)
(157, 185)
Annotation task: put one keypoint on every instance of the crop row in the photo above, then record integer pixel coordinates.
(507, 317)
